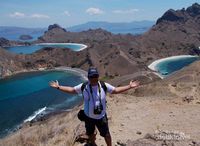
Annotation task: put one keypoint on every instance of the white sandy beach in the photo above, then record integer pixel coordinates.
(82, 48)
(153, 65)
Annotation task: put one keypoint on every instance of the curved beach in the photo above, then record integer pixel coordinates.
(82, 48)
(154, 65)
(73, 70)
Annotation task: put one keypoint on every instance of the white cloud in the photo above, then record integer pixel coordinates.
(39, 16)
(130, 11)
(67, 13)
(23, 15)
(94, 11)
(17, 15)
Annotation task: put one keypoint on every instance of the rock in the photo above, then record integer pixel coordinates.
(122, 124)
(170, 15)
(188, 99)
(194, 10)
(120, 143)
(139, 132)
(54, 26)
(25, 37)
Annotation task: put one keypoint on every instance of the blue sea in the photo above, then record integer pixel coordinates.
(33, 48)
(12, 34)
(26, 95)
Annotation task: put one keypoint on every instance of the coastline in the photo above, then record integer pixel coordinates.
(61, 68)
(40, 114)
(83, 46)
(77, 71)
(153, 65)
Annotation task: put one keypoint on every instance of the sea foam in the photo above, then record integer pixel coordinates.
(36, 113)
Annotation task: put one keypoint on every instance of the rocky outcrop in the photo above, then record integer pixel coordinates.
(4, 42)
(180, 15)
(171, 15)
(55, 26)
(194, 10)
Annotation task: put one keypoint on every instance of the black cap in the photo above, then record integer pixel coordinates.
(92, 72)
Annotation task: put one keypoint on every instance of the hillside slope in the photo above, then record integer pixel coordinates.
(143, 116)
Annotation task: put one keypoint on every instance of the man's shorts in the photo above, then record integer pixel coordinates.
(101, 124)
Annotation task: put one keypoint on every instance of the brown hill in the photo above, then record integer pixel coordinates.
(9, 63)
(175, 33)
(153, 115)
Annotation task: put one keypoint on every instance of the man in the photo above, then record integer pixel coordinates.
(95, 102)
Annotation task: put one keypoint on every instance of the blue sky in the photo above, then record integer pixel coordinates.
(41, 13)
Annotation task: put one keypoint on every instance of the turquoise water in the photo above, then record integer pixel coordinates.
(167, 67)
(26, 93)
(33, 48)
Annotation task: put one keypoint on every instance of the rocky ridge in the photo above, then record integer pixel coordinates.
(175, 33)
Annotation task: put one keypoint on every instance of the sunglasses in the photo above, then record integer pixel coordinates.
(94, 76)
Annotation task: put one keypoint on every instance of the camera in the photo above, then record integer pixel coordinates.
(98, 109)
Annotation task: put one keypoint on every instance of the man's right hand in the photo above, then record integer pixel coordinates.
(54, 84)
(67, 89)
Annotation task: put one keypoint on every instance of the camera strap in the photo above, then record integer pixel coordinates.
(91, 92)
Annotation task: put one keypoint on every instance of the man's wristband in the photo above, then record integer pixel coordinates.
(58, 87)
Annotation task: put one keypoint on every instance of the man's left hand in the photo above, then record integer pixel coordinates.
(134, 84)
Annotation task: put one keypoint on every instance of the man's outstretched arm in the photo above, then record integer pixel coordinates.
(132, 84)
(67, 89)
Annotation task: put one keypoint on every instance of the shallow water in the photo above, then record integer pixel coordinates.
(24, 94)
(169, 66)
(33, 48)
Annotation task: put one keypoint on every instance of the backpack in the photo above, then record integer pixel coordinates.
(103, 85)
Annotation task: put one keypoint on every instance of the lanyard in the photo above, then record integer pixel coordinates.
(91, 92)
